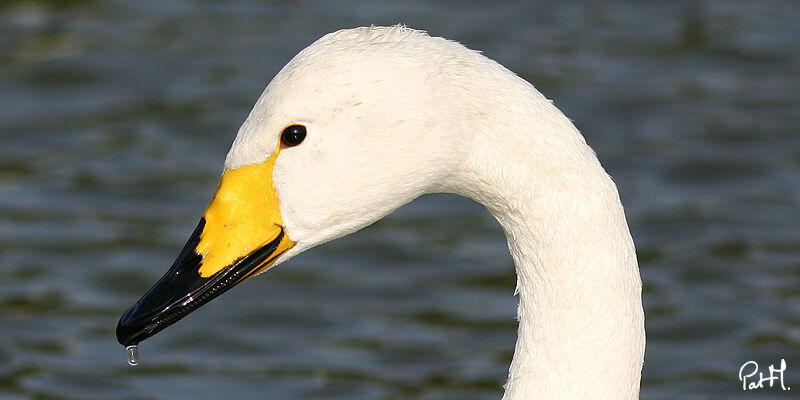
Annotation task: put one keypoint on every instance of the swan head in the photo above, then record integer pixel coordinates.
(375, 137)
(356, 125)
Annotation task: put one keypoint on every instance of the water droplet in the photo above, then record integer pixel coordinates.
(133, 355)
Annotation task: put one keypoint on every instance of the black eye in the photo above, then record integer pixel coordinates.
(293, 135)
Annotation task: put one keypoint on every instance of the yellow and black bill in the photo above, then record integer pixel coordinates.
(240, 235)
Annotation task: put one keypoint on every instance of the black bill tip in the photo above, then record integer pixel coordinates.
(182, 290)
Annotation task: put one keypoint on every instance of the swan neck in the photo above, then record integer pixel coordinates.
(581, 323)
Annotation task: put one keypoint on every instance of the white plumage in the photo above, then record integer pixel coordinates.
(392, 114)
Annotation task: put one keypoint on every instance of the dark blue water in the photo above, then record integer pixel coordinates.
(115, 118)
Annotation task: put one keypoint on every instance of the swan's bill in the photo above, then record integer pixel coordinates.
(240, 235)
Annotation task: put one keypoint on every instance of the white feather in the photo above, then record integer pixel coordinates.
(392, 114)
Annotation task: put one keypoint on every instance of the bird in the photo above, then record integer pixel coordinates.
(365, 120)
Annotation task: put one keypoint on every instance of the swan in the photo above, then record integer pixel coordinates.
(365, 120)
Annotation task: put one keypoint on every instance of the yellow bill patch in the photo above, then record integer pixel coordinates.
(243, 216)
